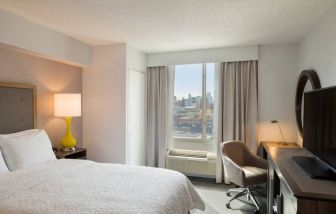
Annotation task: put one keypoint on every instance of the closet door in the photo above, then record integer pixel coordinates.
(136, 118)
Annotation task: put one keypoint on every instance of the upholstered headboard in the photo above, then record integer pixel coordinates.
(17, 107)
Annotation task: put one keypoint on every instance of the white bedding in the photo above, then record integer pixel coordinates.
(79, 186)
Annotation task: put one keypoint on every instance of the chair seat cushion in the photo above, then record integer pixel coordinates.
(254, 175)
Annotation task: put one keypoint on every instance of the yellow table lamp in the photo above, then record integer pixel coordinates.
(68, 106)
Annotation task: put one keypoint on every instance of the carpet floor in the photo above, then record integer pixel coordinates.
(215, 198)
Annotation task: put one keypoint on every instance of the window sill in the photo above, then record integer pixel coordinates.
(189, 140)
(195, 145)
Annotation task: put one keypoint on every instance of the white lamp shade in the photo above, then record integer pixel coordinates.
(67, 105)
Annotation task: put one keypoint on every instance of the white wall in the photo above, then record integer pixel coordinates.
(318, 49)
(278, 66)
(104, 104)
(136, 59)
(30, 37)
(203, 56)
(49, 77)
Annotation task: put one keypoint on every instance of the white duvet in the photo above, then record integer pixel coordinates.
(79, 186)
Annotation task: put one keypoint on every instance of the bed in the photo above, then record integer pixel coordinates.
(82, 186)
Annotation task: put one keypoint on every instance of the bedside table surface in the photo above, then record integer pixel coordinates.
(64, 154)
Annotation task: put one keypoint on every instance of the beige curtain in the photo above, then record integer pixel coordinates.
(237, 106)
(160, 85)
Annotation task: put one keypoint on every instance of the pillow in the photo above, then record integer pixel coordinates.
(3, 166)
(22, 133)
(22, 151)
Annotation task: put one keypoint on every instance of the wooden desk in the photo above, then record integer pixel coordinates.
(266, 146)
(295, 191)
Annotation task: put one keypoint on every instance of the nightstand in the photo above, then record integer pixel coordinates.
(80, 153)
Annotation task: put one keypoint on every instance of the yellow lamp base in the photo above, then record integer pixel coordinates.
(68, 140)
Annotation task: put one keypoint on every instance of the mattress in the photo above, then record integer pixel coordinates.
(81, 186)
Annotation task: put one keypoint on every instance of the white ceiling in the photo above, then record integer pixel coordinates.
(171, 25)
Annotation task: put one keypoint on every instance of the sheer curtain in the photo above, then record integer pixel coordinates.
(237, 106)
(160, 90)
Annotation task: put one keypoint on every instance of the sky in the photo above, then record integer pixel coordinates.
(188, 80)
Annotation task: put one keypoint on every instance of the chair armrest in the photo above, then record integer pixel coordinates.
(233, 172)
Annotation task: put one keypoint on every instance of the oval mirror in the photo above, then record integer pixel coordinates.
(308, 80)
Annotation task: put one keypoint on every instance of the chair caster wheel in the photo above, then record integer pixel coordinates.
(228, 206)
(228, 194)
(256, 212)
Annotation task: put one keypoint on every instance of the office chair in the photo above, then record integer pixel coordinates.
(244, 169)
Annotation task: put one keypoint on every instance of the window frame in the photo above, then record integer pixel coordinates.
(203, 139)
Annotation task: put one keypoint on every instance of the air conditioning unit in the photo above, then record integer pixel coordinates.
(192, 163)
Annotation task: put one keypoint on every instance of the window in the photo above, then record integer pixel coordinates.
(194, 102)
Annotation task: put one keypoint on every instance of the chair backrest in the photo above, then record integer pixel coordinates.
(237, 151)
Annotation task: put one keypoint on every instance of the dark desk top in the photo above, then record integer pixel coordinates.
(292, 175)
